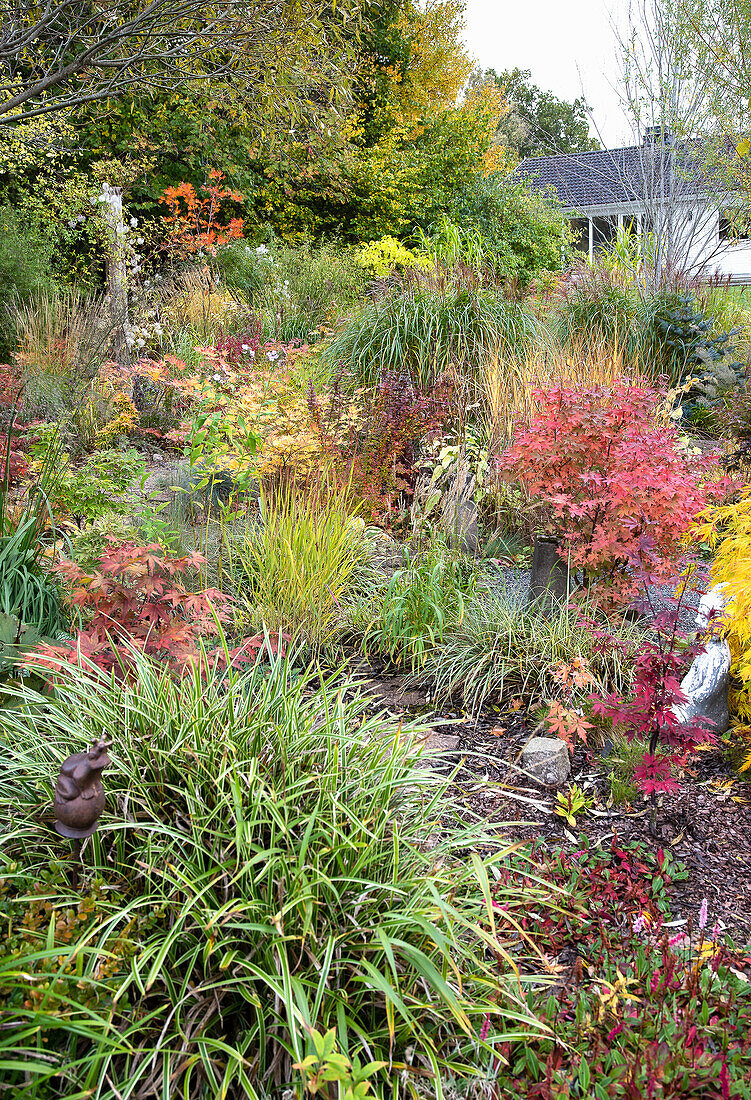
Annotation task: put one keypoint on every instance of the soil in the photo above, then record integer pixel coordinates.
(706, 826)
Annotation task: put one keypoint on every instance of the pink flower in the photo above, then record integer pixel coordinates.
(640, 924)
(703, 914)
(485, 1029)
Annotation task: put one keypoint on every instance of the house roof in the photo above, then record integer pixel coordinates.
(606, 176)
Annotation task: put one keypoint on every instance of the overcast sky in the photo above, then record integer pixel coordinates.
(569, 48)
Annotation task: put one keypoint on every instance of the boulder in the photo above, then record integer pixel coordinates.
(547, 760)
(707, 682)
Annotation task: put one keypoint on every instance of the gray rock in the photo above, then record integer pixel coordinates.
(547, 759)
(437, 750)
(441, 742)
(706, 683)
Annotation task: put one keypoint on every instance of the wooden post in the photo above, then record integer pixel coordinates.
(117, 272)
(549, 583)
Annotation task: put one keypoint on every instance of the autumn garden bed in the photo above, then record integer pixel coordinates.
(268, 570)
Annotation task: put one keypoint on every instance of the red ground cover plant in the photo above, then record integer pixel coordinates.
(621, 489)
(137, 600)
(637, 1010)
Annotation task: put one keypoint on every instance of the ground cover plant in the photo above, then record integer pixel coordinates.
(641, 1008)
(271, 864)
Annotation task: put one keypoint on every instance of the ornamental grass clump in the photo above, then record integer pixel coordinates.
(502, 647)
(294, 565)
(429, 328)
(509, 385)
(27, 532)
(271, 861)
(406, 618)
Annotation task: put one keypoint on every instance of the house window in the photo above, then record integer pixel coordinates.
(734, 228)
(580, 232)
(604, 232)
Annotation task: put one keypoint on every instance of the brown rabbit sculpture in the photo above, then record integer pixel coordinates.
(79, 795)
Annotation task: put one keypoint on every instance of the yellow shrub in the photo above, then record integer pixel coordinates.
(727, 530)
(382, 257)
(264, 426)
(106, 414)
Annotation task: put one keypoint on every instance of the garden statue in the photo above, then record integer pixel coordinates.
(706, 683)
(79, 795)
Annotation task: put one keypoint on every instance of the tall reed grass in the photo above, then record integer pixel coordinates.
(62, 340)
(508, 384)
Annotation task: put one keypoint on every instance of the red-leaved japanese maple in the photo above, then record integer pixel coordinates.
(621, 489)
(648, 714)
(137, 600)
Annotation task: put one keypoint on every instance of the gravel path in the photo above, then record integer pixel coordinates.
(514, 583)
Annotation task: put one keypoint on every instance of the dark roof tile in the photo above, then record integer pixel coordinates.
(601, 177)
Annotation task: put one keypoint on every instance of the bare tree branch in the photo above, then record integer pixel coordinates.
(60, 55)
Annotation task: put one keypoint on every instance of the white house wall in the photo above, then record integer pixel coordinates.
(699, 239)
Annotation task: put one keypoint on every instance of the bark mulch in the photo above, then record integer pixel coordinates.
(706, 826)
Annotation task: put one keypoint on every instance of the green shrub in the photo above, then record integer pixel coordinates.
(90, 543)
(296, 288)
(408, 616)
(271, 861)
(96, 486)
(25, 268)
(520, 230)
(501, 646)
(429, 326)
(379, 258)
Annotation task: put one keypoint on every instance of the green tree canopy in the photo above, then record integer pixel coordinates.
(538, 123)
